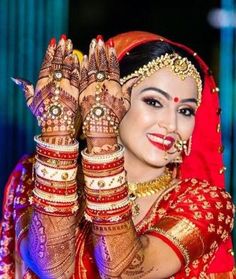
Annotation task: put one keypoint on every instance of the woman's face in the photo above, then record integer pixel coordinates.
(162, 110)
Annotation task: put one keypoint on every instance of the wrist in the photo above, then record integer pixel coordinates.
(59, 138)
(102, 145)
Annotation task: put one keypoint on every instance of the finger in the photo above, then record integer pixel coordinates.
(101, 56)
(27, 87)
(59, 54)
(75, 74)
(67, 66)
(92, 63)
(113, 63)
(84, 73)
(47, 61)
(68, 47)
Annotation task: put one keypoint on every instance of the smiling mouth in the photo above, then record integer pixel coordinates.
(160, 141)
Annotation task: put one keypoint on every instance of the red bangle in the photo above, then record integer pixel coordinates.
(43, 202)
(105, 166)
(52, 190)
(107, 213)
(104, 221)
(58, 209)
(54, 213)
(102, 199)
(56, 154)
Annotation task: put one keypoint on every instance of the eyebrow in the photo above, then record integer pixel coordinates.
(167, 96)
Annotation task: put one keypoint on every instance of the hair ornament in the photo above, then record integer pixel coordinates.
(180, 66)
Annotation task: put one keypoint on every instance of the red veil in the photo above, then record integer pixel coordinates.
(205, 161)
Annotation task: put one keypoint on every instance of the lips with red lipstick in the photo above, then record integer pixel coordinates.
(160, 141)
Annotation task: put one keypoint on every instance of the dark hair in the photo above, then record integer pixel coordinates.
(145, 53)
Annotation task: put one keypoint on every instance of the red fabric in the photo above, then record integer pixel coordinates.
(205, 161)
(19, 186)
(192, 200)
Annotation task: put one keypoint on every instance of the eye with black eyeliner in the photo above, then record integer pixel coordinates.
(152, 102)
(187, 111)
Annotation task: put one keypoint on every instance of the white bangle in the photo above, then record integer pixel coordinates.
(105, 183)
(66, 148)
(55, 174)
(106, 158)
(108, 206)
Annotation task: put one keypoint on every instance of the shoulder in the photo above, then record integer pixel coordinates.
(199, 218)
(202, 190)
(208, 206)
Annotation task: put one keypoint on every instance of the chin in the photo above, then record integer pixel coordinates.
(157, 161)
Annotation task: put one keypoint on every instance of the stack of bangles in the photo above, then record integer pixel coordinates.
(106, 188)
(55, 191)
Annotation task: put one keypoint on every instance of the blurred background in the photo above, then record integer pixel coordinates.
(26, 26)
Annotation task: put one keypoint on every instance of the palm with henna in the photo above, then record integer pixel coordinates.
(101, 100)
(54, 102)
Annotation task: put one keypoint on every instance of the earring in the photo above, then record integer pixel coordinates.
(165, 157)
(187, 146)
(178, 159)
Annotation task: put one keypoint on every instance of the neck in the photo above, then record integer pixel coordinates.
(140, 171)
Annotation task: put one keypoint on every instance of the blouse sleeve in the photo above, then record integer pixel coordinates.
(199, 219)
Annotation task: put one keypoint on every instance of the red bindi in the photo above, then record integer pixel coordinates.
(176, 99)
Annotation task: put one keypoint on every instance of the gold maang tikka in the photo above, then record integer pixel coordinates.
(180, 66)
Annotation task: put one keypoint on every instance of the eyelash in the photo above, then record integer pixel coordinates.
(152, 102)
(188, 112)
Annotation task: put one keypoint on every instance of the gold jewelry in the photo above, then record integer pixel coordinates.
(187, 150)
(178, 159)
(100, 76)
(180, 66)
(144, 189)
(104, 158)
(57, 75)
(184, 145)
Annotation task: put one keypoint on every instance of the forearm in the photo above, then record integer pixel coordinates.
(116, 244)
(50, 247)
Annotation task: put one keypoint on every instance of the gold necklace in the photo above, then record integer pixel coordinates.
(144, 189)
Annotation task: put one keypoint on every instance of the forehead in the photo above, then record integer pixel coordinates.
(169, 82)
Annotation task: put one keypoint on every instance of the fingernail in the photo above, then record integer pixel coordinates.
(52, 42)
(64, 37)
(93, 43)
(111, 43)
(16, 81)
(99, 37)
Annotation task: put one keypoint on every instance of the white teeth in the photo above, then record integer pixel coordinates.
(159, 140)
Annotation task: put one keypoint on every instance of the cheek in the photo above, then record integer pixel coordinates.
(186, 128)
(135, 123)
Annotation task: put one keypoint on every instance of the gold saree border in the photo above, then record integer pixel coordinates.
(183, 234)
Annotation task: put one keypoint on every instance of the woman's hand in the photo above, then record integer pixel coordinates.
(101, 101)
(55, 99)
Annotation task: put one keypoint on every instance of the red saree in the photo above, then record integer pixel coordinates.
(193, 217)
